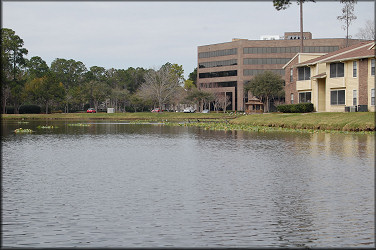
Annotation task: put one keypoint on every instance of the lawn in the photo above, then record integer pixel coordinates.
(351, 121)
(170, 116)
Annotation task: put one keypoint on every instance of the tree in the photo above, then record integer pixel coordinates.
(100, 93)
(12, 53)
(265, 86)
(119, 98)
(193, 77)
(130, 79)
(368, 32)
(221, 100)
(71, 73)
(176, 71)
(160, 85)
(284, 4)
(17, 95)
(189, 85)
(95, 87)
(200, 97)
(136, 102)
(36, 67)
(347, 16)
(45, 90)
(12, 63)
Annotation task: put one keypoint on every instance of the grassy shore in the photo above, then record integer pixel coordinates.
(353, 121)
(143, 116)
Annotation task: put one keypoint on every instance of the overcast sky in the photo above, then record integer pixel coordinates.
(123, 34)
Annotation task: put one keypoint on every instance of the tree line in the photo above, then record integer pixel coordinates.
(68, 85)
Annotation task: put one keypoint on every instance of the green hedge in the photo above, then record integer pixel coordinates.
(30, 109)
(296, 108)
(9, 110)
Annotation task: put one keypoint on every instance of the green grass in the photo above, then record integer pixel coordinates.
(352, 121)
(335, 121)
(119, 116)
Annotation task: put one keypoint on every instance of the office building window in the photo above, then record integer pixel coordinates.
(219, 84)
(258, 61)
(372, 96)
(253, 72)
(337, 97)
(354, 97)
(320, 49)
(337, 70)
(372, 67)
(218, 63)
(216, 53)
(354, 69)
(218, 74)
(304, 97)
(304, 73)
(295, 49)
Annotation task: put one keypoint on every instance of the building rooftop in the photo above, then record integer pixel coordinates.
(360, 50)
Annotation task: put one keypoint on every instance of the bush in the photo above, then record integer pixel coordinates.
(30, 109)
(296, 108)
(9, 109)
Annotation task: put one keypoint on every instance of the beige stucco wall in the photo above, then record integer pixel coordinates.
(321, 102)
(351, 83)
(303, 85)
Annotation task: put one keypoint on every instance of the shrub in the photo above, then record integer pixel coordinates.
(30, 109)
(9, 109)
(296, 108)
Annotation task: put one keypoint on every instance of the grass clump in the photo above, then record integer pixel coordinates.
(47, 127)
(23, 130)
(79, 124)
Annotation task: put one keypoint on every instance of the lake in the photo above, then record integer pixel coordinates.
(117, 184)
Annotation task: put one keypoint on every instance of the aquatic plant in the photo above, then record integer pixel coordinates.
(23, 130)
(256, 128)
(79, 124)
(47, 127)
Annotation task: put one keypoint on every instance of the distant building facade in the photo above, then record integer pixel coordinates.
(226, 67)
(343, 80)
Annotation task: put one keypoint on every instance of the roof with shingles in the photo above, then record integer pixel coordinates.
(322, 75)
(357, 51)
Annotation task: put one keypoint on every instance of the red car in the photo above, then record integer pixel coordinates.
(156, 110)
(91, 110)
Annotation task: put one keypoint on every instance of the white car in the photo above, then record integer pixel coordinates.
(189, 110)
(205, 111)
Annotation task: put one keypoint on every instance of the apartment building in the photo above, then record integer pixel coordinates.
(226, 67)
(343, 80)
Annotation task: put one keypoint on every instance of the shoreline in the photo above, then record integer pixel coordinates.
(354, 122)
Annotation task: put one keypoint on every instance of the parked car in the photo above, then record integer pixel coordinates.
(91, 110)
(189, 110)
(205, 111)
(156, 110)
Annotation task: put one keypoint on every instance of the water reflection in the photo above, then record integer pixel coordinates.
(126, 185)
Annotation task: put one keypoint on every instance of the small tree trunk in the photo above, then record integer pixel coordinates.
(4, 103)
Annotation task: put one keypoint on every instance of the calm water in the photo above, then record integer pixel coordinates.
(123, 185)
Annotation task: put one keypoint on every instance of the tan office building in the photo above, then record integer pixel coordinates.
(226, 67)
